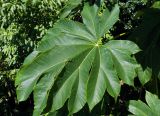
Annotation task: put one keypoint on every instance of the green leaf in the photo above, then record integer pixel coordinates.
(90, 15)
(123, 62)
(41, 64)
(153, 102)
(139, 108)
(108, 19)
(43, 88)
(65, 33)
(90, 68)
(99, 24)
(78, 97)
(70, 5)
(103, 76)
(124, 45)
(144, 76)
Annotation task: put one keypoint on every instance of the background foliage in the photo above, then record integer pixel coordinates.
(24, 23)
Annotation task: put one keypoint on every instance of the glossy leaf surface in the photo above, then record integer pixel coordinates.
(73, 54)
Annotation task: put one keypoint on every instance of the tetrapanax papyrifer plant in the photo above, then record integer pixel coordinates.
(73, 63)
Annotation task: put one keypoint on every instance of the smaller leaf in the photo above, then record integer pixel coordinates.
(153, 102)
(139, 108)
(144, 76)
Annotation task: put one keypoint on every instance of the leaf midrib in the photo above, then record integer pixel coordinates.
(113, 56)
(79, 69)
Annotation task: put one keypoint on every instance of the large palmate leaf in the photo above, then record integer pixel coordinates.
(139, 108)
(71, 63)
